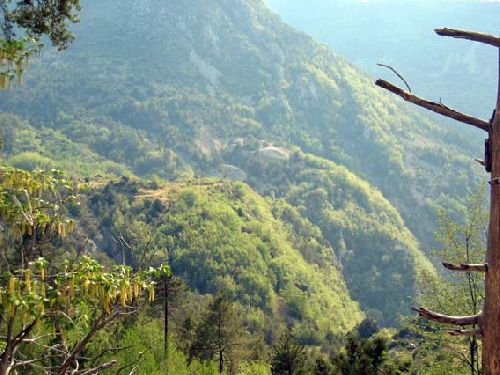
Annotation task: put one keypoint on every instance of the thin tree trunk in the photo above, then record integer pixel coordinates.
(7, 354)
(166, 318)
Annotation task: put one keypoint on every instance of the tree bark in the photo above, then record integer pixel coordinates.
(166, 319)
(470, 35)
(447, 319)
(466, 267)
(491, 319)
(439, 108)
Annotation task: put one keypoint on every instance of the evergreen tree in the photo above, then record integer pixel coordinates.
(288, 358)
(368, 357)
(219, 333)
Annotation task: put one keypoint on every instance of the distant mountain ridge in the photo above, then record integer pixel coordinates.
(460, 73)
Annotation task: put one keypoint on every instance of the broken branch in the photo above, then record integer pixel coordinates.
(433, 106)
(466, 267)
(446, 319)
(482, 162)
(470, 35)
(466, 332)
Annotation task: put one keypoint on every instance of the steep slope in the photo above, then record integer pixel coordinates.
(461, 73)
(173, 88)
(224, 237)
(379, 255)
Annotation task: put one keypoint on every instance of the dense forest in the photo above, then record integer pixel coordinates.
(195, 187)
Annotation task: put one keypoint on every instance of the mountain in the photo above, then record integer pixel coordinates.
(180, 90)
(460, 73)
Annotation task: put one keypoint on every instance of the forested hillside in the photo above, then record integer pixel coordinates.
(401, 34)
(222, 237)
(182, 90)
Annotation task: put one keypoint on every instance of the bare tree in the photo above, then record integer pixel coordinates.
(488, 320)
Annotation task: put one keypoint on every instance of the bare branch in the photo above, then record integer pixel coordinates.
(133, 364)
(482, 162)
(433, 106)
(470, 35)
(25, 363)
(107, 351)
(25, 332)
(98, 369)
(466, 332)
(102, 321)
(399, 75)
(446, 319)
(483, 267)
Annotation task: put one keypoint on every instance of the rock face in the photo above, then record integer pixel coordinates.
(233, 173)
(273, 153)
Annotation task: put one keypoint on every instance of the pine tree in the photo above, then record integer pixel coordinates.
(288, 358)
(219, 334)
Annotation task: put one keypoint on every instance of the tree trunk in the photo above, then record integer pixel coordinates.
(6, 358)
(491, 319)
(473, 354)
(166, 312)
(4, 366)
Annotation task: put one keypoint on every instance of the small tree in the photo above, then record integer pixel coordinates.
(50, 309)
(288, 357)
(219, 334)
(462, 241)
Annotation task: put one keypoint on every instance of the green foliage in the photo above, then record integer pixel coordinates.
(31, 203)
(223, 237)
(379, 255)
(14, 55)
(54, 302)
(369, 356)
(173, 121)
(219, 334)
(288, 358)
(34, 20)
(31, 160)
(461, 240)
(233, 92)
(433, 64)
(38, 19)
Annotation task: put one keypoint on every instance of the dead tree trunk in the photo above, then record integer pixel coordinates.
(489, 319)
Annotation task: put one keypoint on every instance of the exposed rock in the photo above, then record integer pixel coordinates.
(209, 72)
(275, 153)
(232, 172)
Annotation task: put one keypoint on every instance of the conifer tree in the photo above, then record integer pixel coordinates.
(219, 334)
(288, 357)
